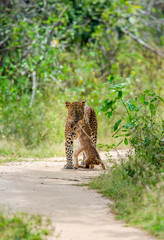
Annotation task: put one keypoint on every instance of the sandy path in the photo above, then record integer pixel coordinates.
(44, 187)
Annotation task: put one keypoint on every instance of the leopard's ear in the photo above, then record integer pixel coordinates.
(68, 104)
(83, 103)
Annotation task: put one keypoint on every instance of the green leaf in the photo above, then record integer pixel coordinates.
(129, 125)
(128, 134)
(138, 108)
(162, 100)
(106, 105)
(129, 118)
(142, 98)
(117, 124)
(126, 141)
(152, 109)
(104, 108)
(109, 114)
(110, 78)
(113, 93)
(154, 99)
(131, 106)
(119, 143)
(147, 91)
(151, 94)
(146, 102)
(119, 94)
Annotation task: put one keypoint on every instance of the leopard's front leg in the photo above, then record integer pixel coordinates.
(69, 152)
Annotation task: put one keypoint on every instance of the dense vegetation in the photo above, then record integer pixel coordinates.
(107, 52)
(136, 183)
(52, 51)
(22, 226)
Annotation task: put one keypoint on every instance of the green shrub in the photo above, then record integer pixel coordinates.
(138, 122)
(22, 226)
(135, 183)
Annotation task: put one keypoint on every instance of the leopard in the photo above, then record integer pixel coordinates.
(78, 111)
(86, 144)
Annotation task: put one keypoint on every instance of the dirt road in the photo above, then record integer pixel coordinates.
(44, 187)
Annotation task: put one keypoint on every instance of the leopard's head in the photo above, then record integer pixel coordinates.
(75, 110)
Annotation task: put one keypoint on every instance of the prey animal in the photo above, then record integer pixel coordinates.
(86, 145)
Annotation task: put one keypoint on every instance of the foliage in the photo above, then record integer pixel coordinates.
(136, 183)
(52, 51)
(22, 226)
(138, 121)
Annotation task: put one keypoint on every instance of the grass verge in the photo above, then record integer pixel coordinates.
(16, 149)
(138, 204)
(22, 226)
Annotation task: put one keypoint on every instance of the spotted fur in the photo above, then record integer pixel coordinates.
(78, 111)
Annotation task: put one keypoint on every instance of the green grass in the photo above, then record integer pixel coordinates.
(15, 149)
(82, 184)
(138, 205)
(21, 226)
(9, 159)
(151, 215)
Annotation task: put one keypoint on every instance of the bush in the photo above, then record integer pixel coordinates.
(136, 183)
(138, 121)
